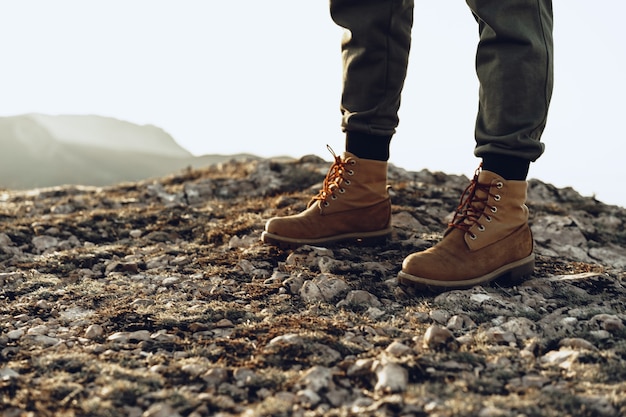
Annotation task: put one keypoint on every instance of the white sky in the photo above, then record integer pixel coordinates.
(264, 77)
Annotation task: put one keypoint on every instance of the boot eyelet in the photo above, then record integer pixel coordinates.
(494, 209)
(352, 162)
(481, 227)
(497, 197)
(333, 197)
(473, 236)
(488, 219)
(499, 185)
(351, 172)
(347, 182)
(342, 190)
(326, 204)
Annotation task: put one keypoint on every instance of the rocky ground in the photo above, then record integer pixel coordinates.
(157, 299)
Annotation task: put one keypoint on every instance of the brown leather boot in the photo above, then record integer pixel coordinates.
(489, 237)
(352, 205)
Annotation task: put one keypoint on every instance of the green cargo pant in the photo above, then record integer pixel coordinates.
(513, 64)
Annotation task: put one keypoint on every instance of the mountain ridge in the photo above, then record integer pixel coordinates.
(41, 151)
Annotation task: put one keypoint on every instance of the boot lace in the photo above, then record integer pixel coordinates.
(474, 204)
(335, 180)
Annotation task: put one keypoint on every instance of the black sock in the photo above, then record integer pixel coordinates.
(508, 167)
(366, 146)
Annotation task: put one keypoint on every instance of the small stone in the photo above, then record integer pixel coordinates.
(42, 329)
(160, 410)
(94, 331)
(42, 243)
(563, 358)
(491, 411)
(600, 334)
(437, 336)
(360, 298)
(44, 305)
(577, 343)
(439, 316)
(330, 286)
(194, 369)
(361, 367)
(44, 340)
(499, 336)
(317, 378)
(224, 323)
(124, 337)
(215, 376)
(15, 334)
(375, 313)
(142, 302)
(460, 322)
(7, 374)
(608, 322)
(311, 293)
(163, 336)
(398, 349)
(139, 335)
(392, 378)
(245, 377)
(170, 281)
(308, 398)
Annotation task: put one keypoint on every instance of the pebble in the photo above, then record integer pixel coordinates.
(15, 334)
(94, 331)
(125, 337)
(7, 374)
(563, 358)
(317, 378)
(391, 378)
(398, 349)
(360, 298)
(437, 336)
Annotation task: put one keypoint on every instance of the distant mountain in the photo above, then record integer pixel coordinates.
(40, 150)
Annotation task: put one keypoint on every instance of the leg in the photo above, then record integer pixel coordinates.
(514, 64)
(489, 236)
(375, 52)
(353, 203)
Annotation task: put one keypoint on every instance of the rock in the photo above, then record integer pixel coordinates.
(170, 281)
(436, 337)
(94, 331)
(7, 374)
(160, 410)
(15, 334)
(563, 358)
(317, 378)
(360, 298)
(608, 322)
(577, 343)
(439, 316)
(43, 243)
(460, 322)
(560, 235)
(398, 349)
(125, 337)
(330, 286)
(215, 376)
(391, 378)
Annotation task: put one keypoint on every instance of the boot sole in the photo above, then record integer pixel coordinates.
(515, 272)
(362, 238)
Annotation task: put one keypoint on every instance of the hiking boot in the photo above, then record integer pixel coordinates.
(353, 204)
(488, 238)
